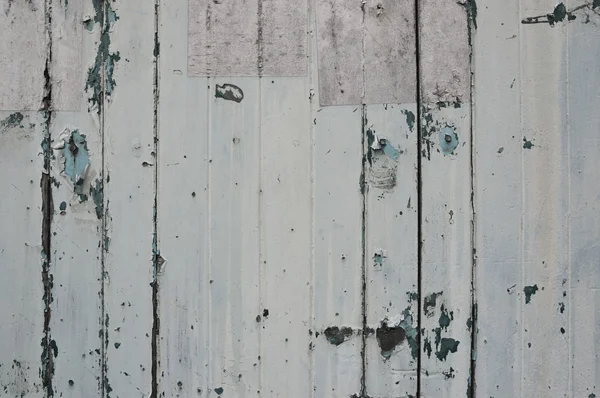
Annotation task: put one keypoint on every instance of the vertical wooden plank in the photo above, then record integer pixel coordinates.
(498, 194)
(78, 207)
(235, 318)
(21, 165)
(583, 51)
(182, 214)
(446, 215)
(337, 339)
(390, 184)
(544, 160)
(286, 236)
(23, 172)
(338, 250)
(129, 196)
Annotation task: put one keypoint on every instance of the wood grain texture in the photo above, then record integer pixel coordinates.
(391, 200)
(129, 201)
(251, 38)
(21, 165)
(77, 231)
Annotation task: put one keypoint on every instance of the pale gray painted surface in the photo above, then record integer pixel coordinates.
(217, 233)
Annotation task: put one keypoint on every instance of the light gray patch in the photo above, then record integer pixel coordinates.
(444, 57)
(233, 38)
(24, 49)
(366, 63)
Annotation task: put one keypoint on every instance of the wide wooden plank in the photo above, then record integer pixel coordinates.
(78, 208)
(22, 139)
(235, 316)
(446, 208)
(338, 252)
(286, 232)
(391, 247)
(544, 209)
(182, 213)
(498, 197)
(583, 283)
(129, 194)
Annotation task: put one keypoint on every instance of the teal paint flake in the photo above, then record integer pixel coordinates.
(391, 151)
(97, 194)
(410, 117)
(76, 160)
(446, 346)
(527, 144)
(448, 140)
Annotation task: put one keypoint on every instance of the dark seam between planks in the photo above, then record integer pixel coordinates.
(419, 195)
(471, 9)
(259, 41)
(155, 251)
(47, 211)
(364, 189)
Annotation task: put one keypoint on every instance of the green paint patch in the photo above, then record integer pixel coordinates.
(219, 390)
(429, 303)
(97, 194)
(445, 317)
(104, 64)
(410, 117)
(595, 4)
(63, 207)
(471, 7)
(527, 144)
(229, 92)
(427, 347)
(412, 296)
(559, 14)
(12, 121)
(336, 335)
(529, 291)
(446, 346)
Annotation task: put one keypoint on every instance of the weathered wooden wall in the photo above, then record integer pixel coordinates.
(312, 198)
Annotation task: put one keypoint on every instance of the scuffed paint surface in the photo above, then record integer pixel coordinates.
(13, 120)
(104, 63)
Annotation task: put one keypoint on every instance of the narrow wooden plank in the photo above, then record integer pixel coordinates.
(446, 216)
(338, 260)
(235, 316)
(251, 38)
(584, 149)
(182, 213)
(391, 248)
(129, 197)
(78, 209)
(21, 165)
(286, 227)
(498, 194)
(22, 66)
